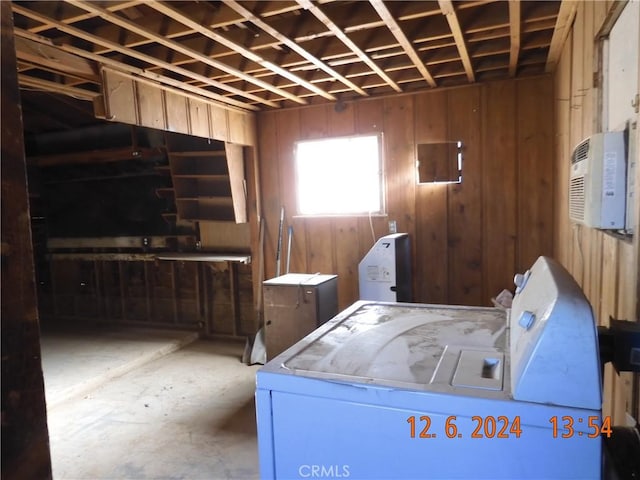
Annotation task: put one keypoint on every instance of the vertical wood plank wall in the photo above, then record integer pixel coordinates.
(605, 267)
(467, 240)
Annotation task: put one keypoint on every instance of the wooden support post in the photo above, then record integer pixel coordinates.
(123, 295)
(235, 300)
(198, 303)
(54, 292)
(25, 438)
(97, 268)
(147, 291)
(208, 297)
(174, 292)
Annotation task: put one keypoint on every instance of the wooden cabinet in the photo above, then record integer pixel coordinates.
(208, 179)
(294, 305)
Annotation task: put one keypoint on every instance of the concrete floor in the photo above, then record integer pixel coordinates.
(176, 414)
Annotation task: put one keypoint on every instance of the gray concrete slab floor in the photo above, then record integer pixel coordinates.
(187, 415)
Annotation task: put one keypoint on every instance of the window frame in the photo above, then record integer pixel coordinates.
(382, 184)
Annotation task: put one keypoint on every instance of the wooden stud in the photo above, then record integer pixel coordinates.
(337, 31)
(514, 26)
(564, 21)
(449, 11)
(404, 42)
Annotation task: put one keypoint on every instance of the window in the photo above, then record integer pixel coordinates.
(340, 176)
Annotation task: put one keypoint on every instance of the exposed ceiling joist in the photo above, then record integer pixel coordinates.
(145, 58)
(564, 20)
(452, 18)
(132, 26)
(254, 55)
(137, 72)
(245, 52)
(337, 31)
(293, 45)
(54, 87)
(54, 59)
(514, 23)
(113, 7)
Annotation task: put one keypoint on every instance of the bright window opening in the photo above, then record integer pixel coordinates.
(340, 176)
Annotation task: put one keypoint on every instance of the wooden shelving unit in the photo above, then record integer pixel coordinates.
(208, 179)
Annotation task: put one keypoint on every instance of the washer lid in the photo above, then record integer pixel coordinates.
(393, 344)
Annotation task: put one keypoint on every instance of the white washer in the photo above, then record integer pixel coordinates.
(388, 390)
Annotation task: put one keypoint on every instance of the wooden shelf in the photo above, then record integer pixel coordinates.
(201, 175)
(210, 153)
(165, 192)
(208, 179)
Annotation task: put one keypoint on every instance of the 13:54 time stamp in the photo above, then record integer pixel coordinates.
(505, 427)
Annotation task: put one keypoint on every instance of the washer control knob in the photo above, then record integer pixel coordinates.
(526, 319)
(520, 280)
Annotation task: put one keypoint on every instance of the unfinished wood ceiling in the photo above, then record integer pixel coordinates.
(259, 55)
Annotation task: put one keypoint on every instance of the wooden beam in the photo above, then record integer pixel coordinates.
(173, 45)
(140, 56)
(143, 75)
(236, 47)
(514, 23)
(564, 20)
(257, 21)
(96, 156)
(404, 42)
(112, 7)
(337, 31)
(448, 11)
(54, 59)
(47, 86)
(25, 440)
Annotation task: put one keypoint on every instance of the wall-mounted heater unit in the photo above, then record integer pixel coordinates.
(385, 272)
(597, 189)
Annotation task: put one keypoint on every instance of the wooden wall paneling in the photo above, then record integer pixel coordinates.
(562, 95)
(151, 106)
(269, 169)
(599, 14)
(400, 162)
(321, 246)
(341, 122)
(237, 127)
(535, 170)
(313, 123)
(347, 259)
(399, 147)
(465, 201)
(289, 131)
(593, 287)
(235, 164)
(176, 108)
(199, 118)
(219, 125)
(347, 255)
(120, 97)
(589, 32)
(369, 118)
(499, 180)
(222, 312)
(431, 279)
(225, 235)
(576, 126)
